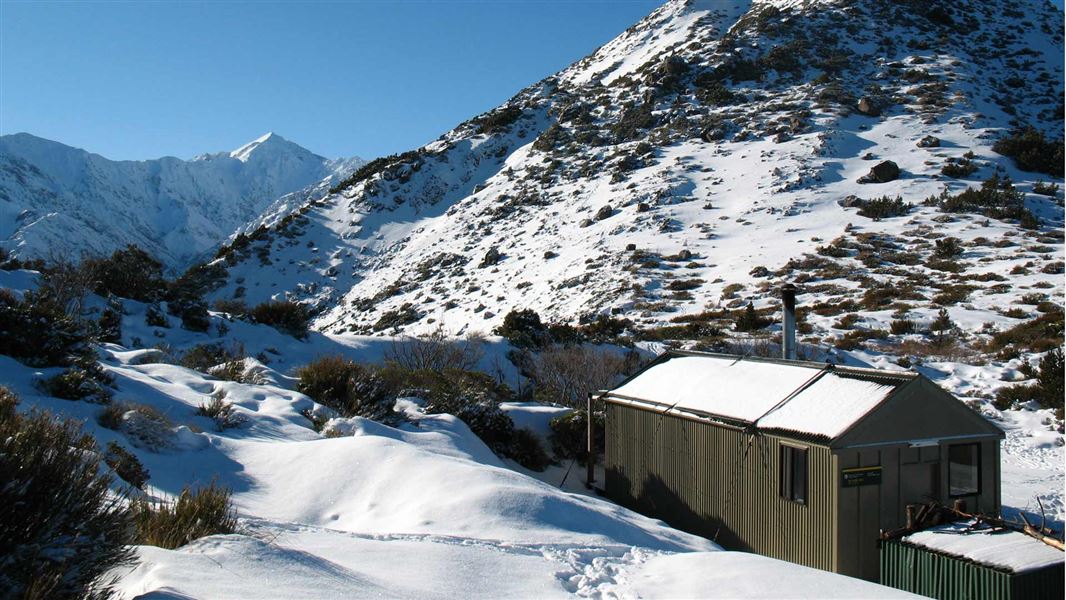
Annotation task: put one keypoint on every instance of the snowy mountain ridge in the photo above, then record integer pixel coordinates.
(707, 153)
(59, 199)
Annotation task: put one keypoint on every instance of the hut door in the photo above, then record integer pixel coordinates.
(920, 483)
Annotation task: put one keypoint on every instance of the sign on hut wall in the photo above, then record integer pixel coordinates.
(861, 476)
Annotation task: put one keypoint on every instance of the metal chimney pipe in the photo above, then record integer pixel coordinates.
(788, 323)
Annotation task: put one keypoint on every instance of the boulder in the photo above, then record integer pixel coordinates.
(851, 201)
(883, 172)
(643, 207)
(869, 107)
(929, 141)
(585, 223)
(604, 212)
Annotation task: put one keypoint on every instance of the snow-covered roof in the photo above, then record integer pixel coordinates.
(1009, 550)
(807, 398)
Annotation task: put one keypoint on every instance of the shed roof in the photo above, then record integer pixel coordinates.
(1002, 549)
(803, 397)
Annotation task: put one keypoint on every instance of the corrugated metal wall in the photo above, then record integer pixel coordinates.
(696, 476)
(935, 575)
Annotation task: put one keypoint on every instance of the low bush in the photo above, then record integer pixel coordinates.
(126, 465)
(1048, 390)
(526, 450)
(61, 529)
(885, 208)
(749, 319)
(37, 332)
(147, 428)
(996, 198)
(194, 515)
(570, 432)
(287, 317)
(221, 412)
(524, 329)
(78, 383)
(1041, 334)
(128, 273)
(205, 357)
(1046, 189)
(1032, 151)
(349, 388)
(903, 327)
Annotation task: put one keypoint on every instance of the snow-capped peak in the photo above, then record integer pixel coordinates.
(269, 143)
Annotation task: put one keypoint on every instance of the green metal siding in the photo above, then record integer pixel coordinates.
(935, 575)
(707, 479)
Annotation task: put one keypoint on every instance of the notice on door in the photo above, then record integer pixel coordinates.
(861, 476)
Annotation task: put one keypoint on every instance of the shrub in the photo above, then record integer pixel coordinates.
(61, 529)
(36, 332)
(996, 198)
(1048, 390)
(287, 317)
(194, 515)
(957, 168)
(129, 273)
(1046, 189)
(126, 465)
(77, 383)
(237, 309)
(1032, 151)
(567, 374)
(498, 119)
(436, 352)
(154, 317)
(397, 318)
(885, 208)
(147, 428)
(749, 320)
(348, 388)
(1036, 335)
(526, 450)
(110, 326)
(205, 357)
(524, 329)
(948, 247)
(569, 435)
(193, 314)
(220, 411)
(903, 327)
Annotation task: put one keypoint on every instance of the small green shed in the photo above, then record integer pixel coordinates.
(801, 461)
(958, 562)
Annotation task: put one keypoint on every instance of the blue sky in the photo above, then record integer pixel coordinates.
(133, 80)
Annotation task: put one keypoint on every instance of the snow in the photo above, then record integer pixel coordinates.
(66, 201)
(747, 390)
(1010, 550)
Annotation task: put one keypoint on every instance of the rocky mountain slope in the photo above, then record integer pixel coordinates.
(696, 160)
(63, 200)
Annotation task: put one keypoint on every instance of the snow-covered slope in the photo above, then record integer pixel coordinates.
(707, 141)
(59, 200)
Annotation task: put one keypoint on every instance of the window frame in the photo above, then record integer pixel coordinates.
(790, 461)
(977, 466)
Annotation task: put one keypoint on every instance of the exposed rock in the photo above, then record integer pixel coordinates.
(643, 207)
(851, 201)
(929, 141)
(713, 134)
(869, 107)
(759, 272)
(631, 247)
(883, 172)
(492, 257)
(585, 222)
(604, 212)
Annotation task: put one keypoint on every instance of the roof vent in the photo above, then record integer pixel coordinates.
(788, 324)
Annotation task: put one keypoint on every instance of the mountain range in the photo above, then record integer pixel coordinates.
(55, 199)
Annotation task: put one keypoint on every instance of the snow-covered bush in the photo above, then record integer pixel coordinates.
(147, 428)
(207, 511)
(126, 465)
(77, 383)
(285, 316)
(206, 357)
(60, 529)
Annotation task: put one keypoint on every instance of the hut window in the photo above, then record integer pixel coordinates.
(794, 474)
(964, 469)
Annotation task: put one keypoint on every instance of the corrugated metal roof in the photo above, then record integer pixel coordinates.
(801, 397)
